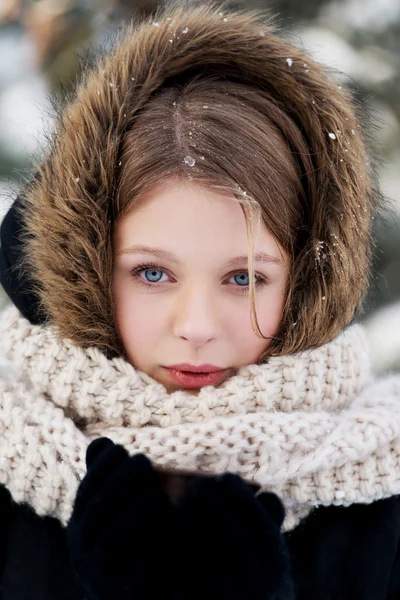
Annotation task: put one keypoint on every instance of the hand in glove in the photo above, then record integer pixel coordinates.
(231, 547)
(120, 534)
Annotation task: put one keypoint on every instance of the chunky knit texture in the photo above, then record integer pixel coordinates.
(312, 427)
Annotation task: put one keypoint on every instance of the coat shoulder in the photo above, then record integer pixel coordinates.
(348, 552)
(5, 520)
(34, 557)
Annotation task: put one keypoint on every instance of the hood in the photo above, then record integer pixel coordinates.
(67, 212)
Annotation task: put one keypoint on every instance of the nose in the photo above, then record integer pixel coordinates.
(196, 315)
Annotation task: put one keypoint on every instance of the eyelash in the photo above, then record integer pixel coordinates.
(260, 280)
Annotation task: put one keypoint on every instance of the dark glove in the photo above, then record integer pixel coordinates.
(231, 547)
(120, 535)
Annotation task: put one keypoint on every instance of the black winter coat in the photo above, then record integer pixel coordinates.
(337, 553)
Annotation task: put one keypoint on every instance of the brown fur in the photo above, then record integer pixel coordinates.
(69, 213)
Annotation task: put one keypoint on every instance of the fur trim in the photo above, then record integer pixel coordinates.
(69, 210)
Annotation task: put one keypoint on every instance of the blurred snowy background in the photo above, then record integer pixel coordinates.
(39, 42)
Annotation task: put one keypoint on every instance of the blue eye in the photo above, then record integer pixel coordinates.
(153, 274)
(246, 279)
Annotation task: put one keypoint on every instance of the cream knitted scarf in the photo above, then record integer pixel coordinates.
(313, 427)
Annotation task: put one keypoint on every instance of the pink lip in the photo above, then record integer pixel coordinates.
(196, 369)
(196, 380)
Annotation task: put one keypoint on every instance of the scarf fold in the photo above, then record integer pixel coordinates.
(314, 427)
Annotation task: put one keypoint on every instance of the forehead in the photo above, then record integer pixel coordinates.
(191, 200)
(190, 220)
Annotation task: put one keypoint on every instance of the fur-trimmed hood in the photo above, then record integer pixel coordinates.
(68, 210)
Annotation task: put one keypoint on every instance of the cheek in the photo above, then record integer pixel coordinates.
(249, 345)
(270, 311)
(134, 314)
(270, 317)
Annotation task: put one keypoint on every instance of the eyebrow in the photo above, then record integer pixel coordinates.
(261, 257)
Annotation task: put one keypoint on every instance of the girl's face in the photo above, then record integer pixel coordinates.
(179, 296)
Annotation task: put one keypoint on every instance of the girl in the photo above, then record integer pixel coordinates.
(184, 271)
